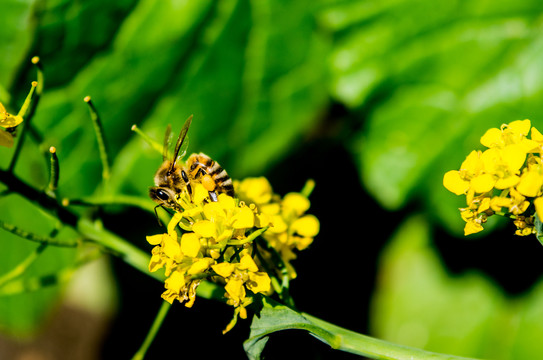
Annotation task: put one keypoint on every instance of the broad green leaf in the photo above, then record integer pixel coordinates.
(123, 83)
(250, 99)
(418, 304)
(71, 33)
(430, 78)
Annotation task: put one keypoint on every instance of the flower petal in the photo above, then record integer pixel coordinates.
(483, 183)
(200, 266)
(492, 138)
(247, 263)
(520, 127)
(454, 182)
(244, 219)
(296, 202)
(472, 228)
(175, 282)
(205, 228)
(307, 225)
(530, 183)
(190, 244)
(224, 269)
(259, 282)
(234, 288)
(154, 239)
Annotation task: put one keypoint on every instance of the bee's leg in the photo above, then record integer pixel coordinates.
(187, 182)
(213, 196)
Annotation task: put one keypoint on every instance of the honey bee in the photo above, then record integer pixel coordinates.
(173, 177)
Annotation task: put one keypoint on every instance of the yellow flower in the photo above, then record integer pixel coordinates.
(213, 241)
(7, 120)
(290, 228)
(505, 179)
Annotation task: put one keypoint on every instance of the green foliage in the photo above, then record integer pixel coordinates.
(466, 315)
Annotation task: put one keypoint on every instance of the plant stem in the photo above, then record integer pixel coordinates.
(37, 238)
(49, 204)
(274, 317)
(352, 342)
(158, 147)
(27, 112)
(117, 245)
(21, 268)
(54, 174)
(162, 312)
(99, 130)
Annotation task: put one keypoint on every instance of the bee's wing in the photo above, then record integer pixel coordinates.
(167, 142)
(181, 145)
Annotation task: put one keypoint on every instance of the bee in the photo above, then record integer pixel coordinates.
(173, 177)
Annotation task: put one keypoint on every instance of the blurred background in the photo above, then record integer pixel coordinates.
(374, 100)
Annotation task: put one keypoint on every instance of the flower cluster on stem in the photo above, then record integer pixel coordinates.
(505, 179)
(215, 241)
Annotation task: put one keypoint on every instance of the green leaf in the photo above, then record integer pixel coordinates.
(430, 78)
(273, 317)
(417, 303)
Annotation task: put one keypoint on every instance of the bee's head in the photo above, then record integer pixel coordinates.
(163, 196)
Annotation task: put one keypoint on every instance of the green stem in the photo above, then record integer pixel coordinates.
(118, 246)
(37, 238)
(158, 147)
(122, 200)
(21, 268)
(99, 130)
(249, 238)
(308, 188)
(26, 285)
(140, 354)
(53, 178)
(27, 112)
(355, 343)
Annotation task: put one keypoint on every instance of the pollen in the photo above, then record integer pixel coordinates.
(208, 183)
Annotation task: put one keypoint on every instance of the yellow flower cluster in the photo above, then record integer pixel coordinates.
(291, 227)
(216, 245)
(217, 242)
(505, 179)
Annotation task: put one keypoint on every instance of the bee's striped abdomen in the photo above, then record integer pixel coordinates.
(201, 164)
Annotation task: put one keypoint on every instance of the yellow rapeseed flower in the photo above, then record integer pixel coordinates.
(290, 227)
(213, 241)
(504, 179)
